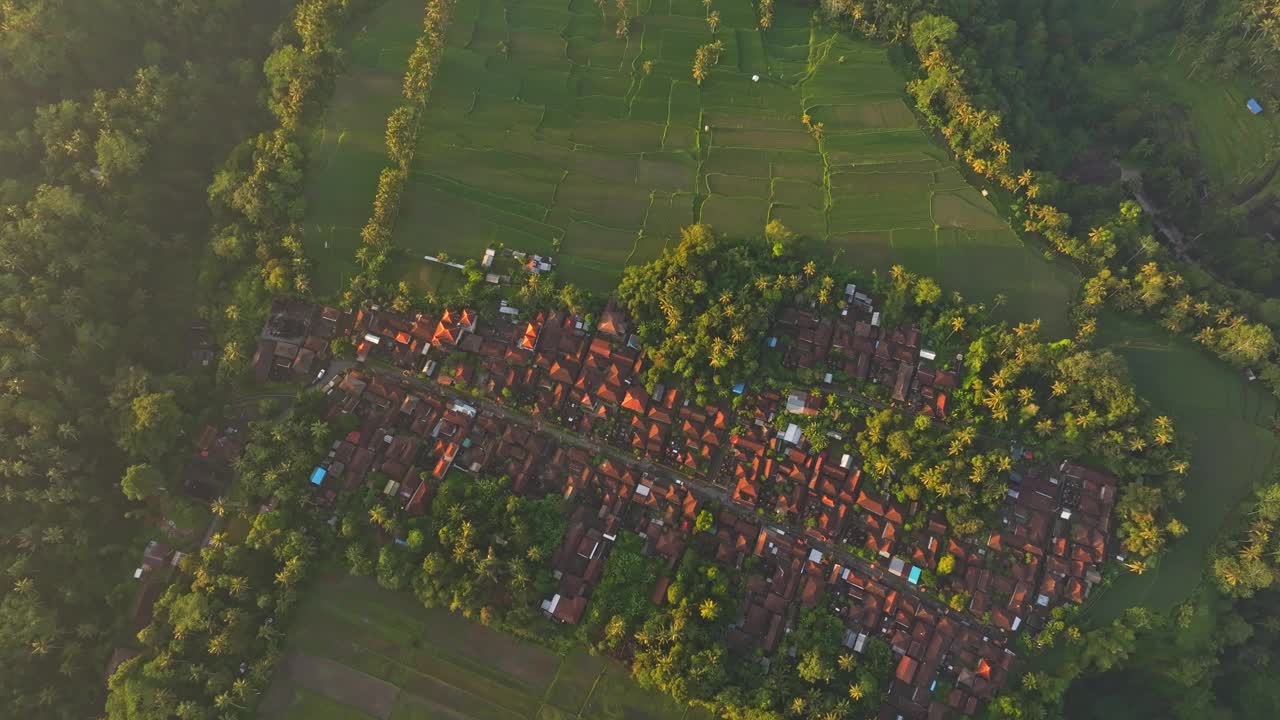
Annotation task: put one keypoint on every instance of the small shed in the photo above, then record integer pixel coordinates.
(1254, 106)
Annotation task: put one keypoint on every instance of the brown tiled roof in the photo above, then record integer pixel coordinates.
(906, 671)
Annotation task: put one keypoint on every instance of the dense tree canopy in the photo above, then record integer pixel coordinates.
(107, 141)
(216, 633)
(704, 307)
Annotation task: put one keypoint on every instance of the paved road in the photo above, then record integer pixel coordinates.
(702, 489)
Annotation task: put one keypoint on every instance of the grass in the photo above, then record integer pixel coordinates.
(1228, 423)
(350, 634)
(547, 133)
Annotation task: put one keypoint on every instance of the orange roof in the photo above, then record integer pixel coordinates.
(444, 334)
(635, 401)
(530, 337)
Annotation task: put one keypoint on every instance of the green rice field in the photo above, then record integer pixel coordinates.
(1228, 423)
(546, 132)
(347, 146)
(358, 652)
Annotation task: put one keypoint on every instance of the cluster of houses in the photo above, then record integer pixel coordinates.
(855, 346)
(649, 460)
(294, 343)
(586, 379)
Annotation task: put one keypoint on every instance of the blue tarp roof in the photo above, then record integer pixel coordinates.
(737, 389)
(317, 476)
(914, 577)
(1254, 106)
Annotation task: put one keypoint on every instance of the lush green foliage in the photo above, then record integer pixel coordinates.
(679, 648)
(704, 307)
(215, 638)
(105, 144)
(618, 603)
(1247, 563)
(480, 551)
(257, 195)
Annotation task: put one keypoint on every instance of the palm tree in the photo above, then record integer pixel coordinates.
(219, 644)
(1228, 572)
(882, 467)
(223, 701)
(708, 609)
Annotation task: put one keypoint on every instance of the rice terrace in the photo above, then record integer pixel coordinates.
(546, 132)
(358, 652)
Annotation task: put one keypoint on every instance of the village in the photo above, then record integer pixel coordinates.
(557, 405)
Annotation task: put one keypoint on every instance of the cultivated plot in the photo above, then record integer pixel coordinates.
(347, 148)
(1228, 423)
(357, 651)
(547, 132)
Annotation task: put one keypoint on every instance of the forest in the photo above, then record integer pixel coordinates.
(153, 159)
(107, 144)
